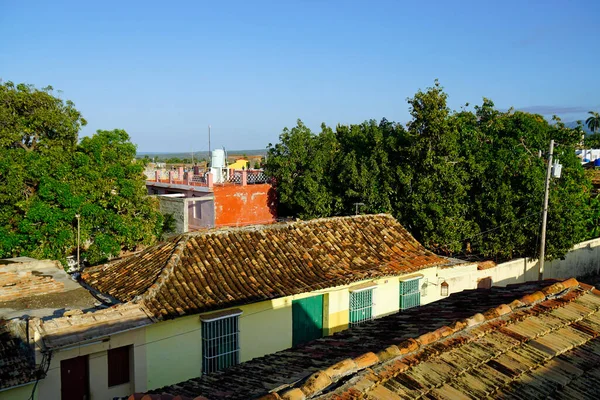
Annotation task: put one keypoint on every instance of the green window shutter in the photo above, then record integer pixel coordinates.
(361, 306)
(410, 296)
(220, 344)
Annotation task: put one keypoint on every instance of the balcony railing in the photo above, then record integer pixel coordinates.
(209, 179)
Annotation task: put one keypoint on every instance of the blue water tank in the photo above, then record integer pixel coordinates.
(597, 162)
(586, 160)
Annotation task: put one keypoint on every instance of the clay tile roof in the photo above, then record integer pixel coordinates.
(77, 326)
(546, 345)
(17, 364)
(381, 338)
(203, 271)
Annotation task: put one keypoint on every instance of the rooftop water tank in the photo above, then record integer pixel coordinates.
(217, 165)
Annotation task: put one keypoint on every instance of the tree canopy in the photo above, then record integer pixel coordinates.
(47, 176)
(461, 181)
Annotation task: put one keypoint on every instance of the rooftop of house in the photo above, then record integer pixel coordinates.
(216, 269)
(39, 288)
(17, 365)
(77, 327)
(543, 345)
(289, 369)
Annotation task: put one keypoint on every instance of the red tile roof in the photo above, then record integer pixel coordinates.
(210, 270)
(544, 345)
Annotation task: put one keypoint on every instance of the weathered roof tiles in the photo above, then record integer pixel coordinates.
(17, 364)
(215, 269)
(545, 345)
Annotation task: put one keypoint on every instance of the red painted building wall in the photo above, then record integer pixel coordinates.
(237, 205)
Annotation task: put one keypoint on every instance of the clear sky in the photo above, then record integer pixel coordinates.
(166, 70)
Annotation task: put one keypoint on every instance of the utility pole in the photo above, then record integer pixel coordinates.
(545, 214)
(78, 235)
(209, 158)
(357, 205)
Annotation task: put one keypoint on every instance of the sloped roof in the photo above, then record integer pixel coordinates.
(544, 345)
(77, 326)
(290, 367)
(17, 364)
(215, 269)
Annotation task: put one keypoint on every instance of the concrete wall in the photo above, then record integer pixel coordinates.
(177, 207)
(237, 205)
(18, 393)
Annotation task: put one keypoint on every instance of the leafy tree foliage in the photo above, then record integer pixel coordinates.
(461, 182)
(47, 177)
(593, 121)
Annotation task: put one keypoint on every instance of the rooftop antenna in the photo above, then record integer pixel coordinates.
(209, 155)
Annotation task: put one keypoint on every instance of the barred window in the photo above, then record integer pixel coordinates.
(361, 306)
(410, 295)
(220, 342)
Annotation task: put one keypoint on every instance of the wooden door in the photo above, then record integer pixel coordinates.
(74, 379)
(307, 319)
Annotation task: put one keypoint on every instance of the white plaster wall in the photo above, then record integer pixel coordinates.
(386, 297)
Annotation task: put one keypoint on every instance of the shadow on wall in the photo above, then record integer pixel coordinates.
(272, 202)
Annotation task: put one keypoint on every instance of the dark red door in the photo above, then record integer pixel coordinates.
(74, 378)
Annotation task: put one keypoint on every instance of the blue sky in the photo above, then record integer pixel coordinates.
(164, 71)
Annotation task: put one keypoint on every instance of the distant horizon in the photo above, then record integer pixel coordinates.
(251, 68)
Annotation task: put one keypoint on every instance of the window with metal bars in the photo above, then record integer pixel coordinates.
(361, 306)
(220, 343)
(410, 295)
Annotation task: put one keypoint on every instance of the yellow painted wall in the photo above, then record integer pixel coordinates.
(18, 393)
(336, 309)
(265, 328)
(173, 351)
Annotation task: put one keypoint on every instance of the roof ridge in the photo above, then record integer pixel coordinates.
(320, 380)
(281, 225)
(166, 271)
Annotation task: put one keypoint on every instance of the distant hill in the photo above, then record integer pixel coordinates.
(573, 124)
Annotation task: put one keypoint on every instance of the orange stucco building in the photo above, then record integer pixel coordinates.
(197, 202)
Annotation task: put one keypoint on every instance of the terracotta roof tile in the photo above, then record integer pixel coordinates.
(208, 270)
(552, 350)
(80, 327)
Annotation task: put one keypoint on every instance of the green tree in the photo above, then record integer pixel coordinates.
(593, 121)
(461, 182)
(299, 164)
(46, 178)
(362, 171)
(435, 203)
